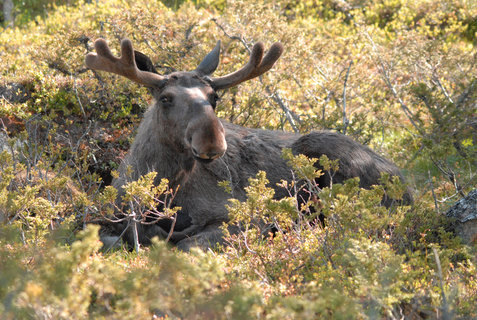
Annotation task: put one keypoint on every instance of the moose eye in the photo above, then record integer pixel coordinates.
(166, 99)
(214, 98)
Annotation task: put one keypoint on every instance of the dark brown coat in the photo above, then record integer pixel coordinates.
(182, 140)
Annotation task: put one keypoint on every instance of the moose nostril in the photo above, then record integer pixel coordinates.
(212, 155)
(215, 155)
(194, 151)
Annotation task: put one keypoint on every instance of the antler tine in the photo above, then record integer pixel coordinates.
(125, 65)
(268, 61)
(250, 71)
(242, 74)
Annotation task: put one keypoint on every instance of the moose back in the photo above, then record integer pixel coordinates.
(181, 138)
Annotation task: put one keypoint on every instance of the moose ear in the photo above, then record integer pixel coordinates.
(210, 62)
(143, 62)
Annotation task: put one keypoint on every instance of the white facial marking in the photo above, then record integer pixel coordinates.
(195, 93)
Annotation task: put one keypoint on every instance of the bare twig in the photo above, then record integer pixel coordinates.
(290, 115)
(134, 226)
(432, 190)
(149, 46)
(450, 174)
(77, 97)
(171, 231)
(345, 119)
(445, 305)
(384, 72)
(326, 252)
(443, 89)
(229, 35)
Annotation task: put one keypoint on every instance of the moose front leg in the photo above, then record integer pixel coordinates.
(205, 238)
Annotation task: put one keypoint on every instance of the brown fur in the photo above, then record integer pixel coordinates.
(182, 140)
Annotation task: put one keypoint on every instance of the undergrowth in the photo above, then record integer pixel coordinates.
(399, 76)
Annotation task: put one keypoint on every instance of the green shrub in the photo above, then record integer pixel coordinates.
(396, 75)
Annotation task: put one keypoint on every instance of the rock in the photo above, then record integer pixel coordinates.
(3, 142)
(464, 214)
(14, 93)
(5, 145)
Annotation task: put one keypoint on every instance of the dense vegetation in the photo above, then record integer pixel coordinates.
(397, 75)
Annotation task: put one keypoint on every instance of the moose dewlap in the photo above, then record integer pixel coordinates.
(182, 139)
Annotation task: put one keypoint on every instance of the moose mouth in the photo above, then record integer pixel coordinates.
(202, 160)
(206, 157)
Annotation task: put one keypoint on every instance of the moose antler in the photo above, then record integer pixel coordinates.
(255, 67)
(125, 65)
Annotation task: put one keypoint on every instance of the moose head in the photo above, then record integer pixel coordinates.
(186, 101)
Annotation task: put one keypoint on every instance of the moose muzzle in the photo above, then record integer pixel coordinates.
(206, 137)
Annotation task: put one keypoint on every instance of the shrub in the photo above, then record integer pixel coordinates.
(396, 75)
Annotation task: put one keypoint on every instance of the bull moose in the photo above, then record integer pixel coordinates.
(182, 139)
